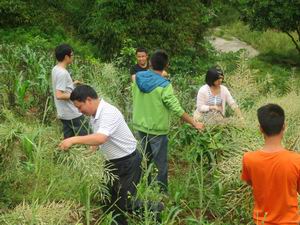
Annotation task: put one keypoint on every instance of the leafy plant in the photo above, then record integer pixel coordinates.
(273, 14)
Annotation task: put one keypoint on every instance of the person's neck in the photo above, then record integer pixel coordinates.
(273, 144)
(96, 105)
(62, 64)
(213, 87)
(143, 65)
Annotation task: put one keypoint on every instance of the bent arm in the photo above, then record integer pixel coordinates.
(186, 118)
(229, 99)
(202, 101)
(171, 102)
(61, 95)
(91, 139)
(231, 102)
(238, 112)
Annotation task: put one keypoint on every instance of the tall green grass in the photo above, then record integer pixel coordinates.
(264, 42)
(278, 58)
(205, 188)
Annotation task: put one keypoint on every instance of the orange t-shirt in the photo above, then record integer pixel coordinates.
(275, 181)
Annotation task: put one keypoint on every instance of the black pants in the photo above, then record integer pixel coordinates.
(77, 126)
(128, 170)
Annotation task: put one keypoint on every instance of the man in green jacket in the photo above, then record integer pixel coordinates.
(153, 102)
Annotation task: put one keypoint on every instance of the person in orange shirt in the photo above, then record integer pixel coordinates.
(273, 172)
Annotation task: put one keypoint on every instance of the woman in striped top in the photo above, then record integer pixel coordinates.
(212, 98)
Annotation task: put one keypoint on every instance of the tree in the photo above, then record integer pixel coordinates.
(14, 13)
(282, 15)
(173, 25)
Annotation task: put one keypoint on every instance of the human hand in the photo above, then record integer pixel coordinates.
(242, 121)
(198, 126)
(216, 107)
(66, 144)
(164, 73)
(93, 149)
(133, 76)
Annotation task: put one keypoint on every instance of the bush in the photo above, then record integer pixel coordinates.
(14, 13)
(275, 14)
(170, 25)
(33, 171)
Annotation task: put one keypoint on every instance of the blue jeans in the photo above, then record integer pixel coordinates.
(155, 147)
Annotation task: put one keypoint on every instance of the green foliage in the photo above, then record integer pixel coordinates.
(40, 185)
(112, 83)
(51, 213)
(171, 25)
(225, 12)
(127, 56)
(279, 15)
(174, 26)
(14, 13)
(43, 24)
(36, 38)
(277, 62)
(25, 76)
(91, 170)
(34, 172)
(191, 62)
(269, 41)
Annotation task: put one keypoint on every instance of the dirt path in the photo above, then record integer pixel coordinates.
(233, 45)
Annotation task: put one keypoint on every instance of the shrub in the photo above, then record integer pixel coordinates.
(170, 25)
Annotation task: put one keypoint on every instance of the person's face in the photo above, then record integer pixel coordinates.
(69, 58)
(86, 107)
(142, 58)
(218, 82)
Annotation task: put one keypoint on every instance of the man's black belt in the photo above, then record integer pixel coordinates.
(123, 158)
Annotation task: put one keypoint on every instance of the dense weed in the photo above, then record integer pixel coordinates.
(205, 187)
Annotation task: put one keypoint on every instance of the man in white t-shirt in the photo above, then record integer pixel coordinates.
(74, 123)
(116, 142)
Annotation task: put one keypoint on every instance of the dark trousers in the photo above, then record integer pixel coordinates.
(155, 147)
(76, 127)
(128, 172)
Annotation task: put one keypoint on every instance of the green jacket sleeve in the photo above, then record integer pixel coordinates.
(171, 102)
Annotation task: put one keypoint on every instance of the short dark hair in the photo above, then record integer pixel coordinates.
(62, 50)
(212, 75)
(271, 119)
(82, 92)
(159, 60)
(141, 50)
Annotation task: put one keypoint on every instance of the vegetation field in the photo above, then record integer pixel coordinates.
(39, 184)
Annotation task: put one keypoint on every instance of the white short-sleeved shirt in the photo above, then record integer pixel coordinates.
(61, 80)
(110, 122)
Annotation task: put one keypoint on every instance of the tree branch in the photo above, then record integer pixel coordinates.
(293, 39)
(298, 32)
